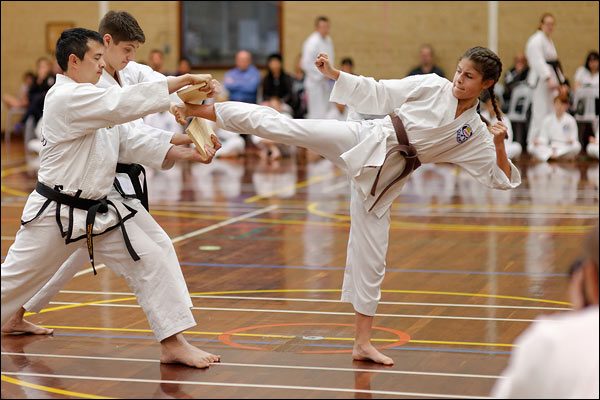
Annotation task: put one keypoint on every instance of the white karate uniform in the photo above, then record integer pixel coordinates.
(82, 144)
(316, 86)
(539, 49)
(513, 149)
(426, 105)
(558, 138)
(554, 359)
(149, 149)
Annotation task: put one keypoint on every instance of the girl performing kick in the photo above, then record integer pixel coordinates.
(432, 120)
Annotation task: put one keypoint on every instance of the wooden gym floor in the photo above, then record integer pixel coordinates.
(263, 247)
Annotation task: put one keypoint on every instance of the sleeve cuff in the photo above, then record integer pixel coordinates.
(343, 87)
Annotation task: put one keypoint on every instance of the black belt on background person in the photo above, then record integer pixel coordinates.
(91, 206)
(133, 171)
(405, 149)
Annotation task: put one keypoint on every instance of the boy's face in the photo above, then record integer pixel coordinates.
(117, 56)
(560, 107)
(90, 68)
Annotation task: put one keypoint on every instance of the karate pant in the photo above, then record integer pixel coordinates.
(541, 105)
(592, 150)
(317, 98)
(156, 279)
(545, 152)
(368, 242)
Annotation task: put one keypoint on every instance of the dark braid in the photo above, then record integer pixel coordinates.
(488, 64)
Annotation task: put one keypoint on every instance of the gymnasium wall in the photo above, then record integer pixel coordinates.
(382, 37)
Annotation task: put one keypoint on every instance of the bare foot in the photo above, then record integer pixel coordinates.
(176, 350)
(370, 353)
(17, 325)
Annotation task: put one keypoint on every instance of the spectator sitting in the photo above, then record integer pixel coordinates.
(557, 358)
(156, 61)
(336, 110)
(184, 67)
(426, 63)
(298, 98)
(276, 83)
(514, 76)
(269, 150)
(587, 75)
(21, 100)
(242, 81)
(558, 137)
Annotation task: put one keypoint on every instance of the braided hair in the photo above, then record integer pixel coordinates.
(488, 64)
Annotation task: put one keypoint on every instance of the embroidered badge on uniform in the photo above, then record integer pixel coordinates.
(464, 133)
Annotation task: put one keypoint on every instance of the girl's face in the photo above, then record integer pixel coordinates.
(468, 82)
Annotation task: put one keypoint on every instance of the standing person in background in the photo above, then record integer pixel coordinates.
(557, 358)
(544, 73)
(426, 63)
(316, 85)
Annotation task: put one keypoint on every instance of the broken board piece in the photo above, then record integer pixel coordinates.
(200, 133)
(192, 94)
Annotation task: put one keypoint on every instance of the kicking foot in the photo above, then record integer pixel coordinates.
(18, 326)
(181, 352)
(370, 353)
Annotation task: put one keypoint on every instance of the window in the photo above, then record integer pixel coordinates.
(212, 32)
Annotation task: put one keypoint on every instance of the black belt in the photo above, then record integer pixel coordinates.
(406, 149)
(133, 171)
(91, 206)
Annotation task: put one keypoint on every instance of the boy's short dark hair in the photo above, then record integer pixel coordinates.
(321, 18)
(122, 26)
(347, 61)
(74, 41)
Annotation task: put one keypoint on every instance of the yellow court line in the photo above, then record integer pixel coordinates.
(14, 192)
(579, 229)
(59, 308)
(13, 170)
(51, 389)
(310, 181)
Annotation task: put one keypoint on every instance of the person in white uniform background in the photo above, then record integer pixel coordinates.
(82, 139)
(557, 357)
(316, 86)
(441, 126)
(539, 51)
(122, 36)
(558, 138)
(513, 149)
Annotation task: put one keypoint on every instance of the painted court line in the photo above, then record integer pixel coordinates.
(399, 303)
(276, 366)
(264, 310)
(242, 385)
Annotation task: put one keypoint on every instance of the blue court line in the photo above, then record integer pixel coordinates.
(276, 342)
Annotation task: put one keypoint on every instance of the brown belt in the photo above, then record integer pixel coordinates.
(406, 149)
